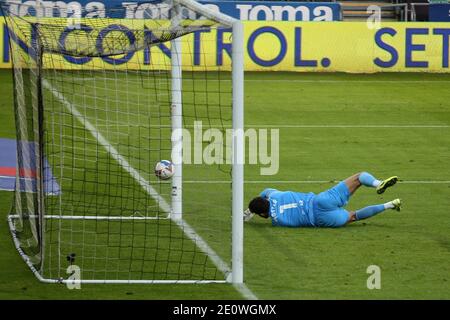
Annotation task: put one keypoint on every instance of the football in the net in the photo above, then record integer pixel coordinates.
(164, 169)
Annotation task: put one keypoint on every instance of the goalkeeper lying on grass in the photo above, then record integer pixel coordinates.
(326, 209)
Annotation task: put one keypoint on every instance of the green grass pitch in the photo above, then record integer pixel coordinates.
(331, 126)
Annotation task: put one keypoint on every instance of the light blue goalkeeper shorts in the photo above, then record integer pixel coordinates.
(328, 207)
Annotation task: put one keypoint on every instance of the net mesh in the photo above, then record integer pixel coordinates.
(93, 116)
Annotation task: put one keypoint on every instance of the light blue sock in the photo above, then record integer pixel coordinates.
(369, 211)
(368, 180)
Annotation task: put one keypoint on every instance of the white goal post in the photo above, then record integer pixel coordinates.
(91, 118)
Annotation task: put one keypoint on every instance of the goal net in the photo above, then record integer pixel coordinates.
(98, 102)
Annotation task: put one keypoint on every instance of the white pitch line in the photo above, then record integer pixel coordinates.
(345, 126)
(185, 227)
(88, 79)
(346, 81)
(286, 80)
(312, 126)
(305, 181)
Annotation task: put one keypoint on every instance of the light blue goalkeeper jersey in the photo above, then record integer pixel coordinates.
(290, 209)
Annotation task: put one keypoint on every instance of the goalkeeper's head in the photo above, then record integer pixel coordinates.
(260, 206)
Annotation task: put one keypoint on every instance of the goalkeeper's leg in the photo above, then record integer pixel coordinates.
(371, 211)
(328, 205)
(368, 180)
(339, 195)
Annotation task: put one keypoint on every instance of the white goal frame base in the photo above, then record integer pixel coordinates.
(38, 275)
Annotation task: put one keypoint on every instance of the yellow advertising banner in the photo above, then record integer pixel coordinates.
(347, 47)
(285, 46)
